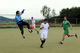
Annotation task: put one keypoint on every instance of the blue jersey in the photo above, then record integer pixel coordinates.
(18, 18)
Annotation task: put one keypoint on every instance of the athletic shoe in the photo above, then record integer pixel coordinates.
(37, 32)
(30, 31)
(60, 42)
(23, 36)
(41, 46)
(76, 35)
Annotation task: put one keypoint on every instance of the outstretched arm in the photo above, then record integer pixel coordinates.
(22, 12)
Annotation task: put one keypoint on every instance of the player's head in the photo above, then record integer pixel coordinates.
(32, 18)
(18, 13)
(45, 21)
(65, 18)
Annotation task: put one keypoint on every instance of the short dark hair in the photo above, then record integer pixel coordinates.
(31, 17)
(17, 12)
(65, 16)
(45, 20)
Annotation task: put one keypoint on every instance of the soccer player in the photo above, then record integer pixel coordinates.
(21, 23)
(33, 23)
(44, 31)
(65, 25)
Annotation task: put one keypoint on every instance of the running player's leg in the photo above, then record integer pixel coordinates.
(61, 42)
(65, 33)
(35, 28)
(25, 23)
(43, 39)
(72, 35)
(37, 31)
(63, 37)
(21, 29)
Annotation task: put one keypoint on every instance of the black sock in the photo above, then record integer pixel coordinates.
(43, 41)
(22, 32)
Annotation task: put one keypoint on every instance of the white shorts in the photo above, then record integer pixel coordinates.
(43, 35)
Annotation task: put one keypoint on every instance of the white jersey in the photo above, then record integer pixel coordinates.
(45, 29)
(33, 22)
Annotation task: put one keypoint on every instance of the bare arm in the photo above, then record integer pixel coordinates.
(41, 27)
(49, 26)
(61, 25)
(71, 26)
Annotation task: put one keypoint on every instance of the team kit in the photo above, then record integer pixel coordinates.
(43, 27)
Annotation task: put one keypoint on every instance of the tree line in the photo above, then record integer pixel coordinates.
(70, 13)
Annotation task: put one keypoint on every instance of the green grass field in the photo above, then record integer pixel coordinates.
(11, 41)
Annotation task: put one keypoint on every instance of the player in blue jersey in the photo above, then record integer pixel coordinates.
(21, 23)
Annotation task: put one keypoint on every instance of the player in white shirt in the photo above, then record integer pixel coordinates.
(33, 23)
(44, 31)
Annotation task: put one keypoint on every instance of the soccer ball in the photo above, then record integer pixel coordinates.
(31, 26)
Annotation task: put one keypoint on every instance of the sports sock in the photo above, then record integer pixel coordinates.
(69, 35)
(29, 29)
(62, 41)
(74, 34)
(23, 35)
(43, 41)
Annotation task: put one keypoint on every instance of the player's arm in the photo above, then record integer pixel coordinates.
(41, 27)
(22, 12)
(61, 25)
(49, 26)
(19, 19)
(71, 26)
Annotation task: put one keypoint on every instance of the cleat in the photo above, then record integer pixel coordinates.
(60, 42)
(23, 36)
(76, 35)
(30, 31)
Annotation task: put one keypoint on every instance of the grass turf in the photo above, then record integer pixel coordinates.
(11, 41)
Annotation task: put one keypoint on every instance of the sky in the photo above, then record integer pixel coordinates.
(33, 7)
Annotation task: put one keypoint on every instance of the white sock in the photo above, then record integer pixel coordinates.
(29, 29)
(74, 34)
(23, 34)
(62, 41)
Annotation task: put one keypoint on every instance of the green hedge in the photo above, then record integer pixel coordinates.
(36, 26)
